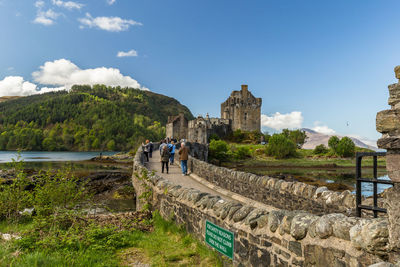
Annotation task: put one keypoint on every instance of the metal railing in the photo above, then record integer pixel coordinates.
(374, 181)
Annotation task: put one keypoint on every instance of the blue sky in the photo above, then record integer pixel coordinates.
(321, 64)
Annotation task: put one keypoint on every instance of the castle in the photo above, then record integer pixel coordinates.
(240, 111)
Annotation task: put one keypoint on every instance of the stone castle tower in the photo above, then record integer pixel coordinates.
(243, 109)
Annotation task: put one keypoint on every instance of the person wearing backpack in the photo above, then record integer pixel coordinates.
(171, 148)
(164, 158)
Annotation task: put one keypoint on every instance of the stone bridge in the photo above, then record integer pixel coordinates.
(279, 223)
(276, 223)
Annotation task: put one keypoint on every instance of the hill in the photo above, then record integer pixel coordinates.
(5, 98)
(314, 138)
(86, 118)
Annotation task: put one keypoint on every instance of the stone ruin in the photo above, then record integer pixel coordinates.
(388, 123)
(240, 111)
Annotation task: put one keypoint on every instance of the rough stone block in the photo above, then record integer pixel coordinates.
(393, 208)
(371, 235)
(295, 247)
(319, 191)
(393, 166)
(242, 213)
(341, 227)
(274, 219)
(389, 142)
(323, 227)
(388, 121)
(252, 218)
(300, 224)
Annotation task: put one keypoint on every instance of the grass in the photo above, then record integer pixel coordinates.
(167, 245)
(304, 158)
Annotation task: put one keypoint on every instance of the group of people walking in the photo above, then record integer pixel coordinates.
(167, 152)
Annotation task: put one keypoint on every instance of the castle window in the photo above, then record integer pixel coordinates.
(245, 116)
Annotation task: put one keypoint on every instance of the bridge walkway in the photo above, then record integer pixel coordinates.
(196, 182)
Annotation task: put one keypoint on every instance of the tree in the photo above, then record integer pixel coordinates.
(346, 147)
(333, 143)
(297, 136)
(111, 145)
(218, 149)
(320, 149)
(280, 147)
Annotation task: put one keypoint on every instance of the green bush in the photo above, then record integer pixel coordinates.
(333, 143)
(280, 147)
(320, 149)
(218, 150)
(238, 136)
(14, 197)
(242, 152)
(345, 147)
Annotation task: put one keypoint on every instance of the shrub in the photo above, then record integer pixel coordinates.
(345, 147)
(280, 147)
(333, 143)
(320, 149)
(242, 152)
(238, 136)
(218, 149)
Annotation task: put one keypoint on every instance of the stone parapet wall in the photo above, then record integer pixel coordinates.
(269, 238)
(388, 123)
(276, 192)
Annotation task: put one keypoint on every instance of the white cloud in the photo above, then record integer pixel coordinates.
(324, 130)
(280, 121)
(61, 75)
(10, 68)
(67, 4)
(16, 86)
(110, 2)
(131, 53)
(112, 24)
(63, 72)
(39, 4)
(46, 18)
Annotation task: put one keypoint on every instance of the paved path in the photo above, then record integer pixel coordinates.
(196, 182)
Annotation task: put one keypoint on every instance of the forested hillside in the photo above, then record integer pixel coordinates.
(86, 118)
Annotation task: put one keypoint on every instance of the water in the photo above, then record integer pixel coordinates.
(367, 188)
(42, 156)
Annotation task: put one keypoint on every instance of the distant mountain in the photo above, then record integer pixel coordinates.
(85, 119)
(314, 138)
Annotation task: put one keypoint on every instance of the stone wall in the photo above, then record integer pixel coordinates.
(201, 129)
(270, 237)
(276, 192)
(388, 123)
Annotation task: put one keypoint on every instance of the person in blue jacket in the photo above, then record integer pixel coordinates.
(171, 148)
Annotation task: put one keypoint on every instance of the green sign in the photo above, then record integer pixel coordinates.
(220, 239)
